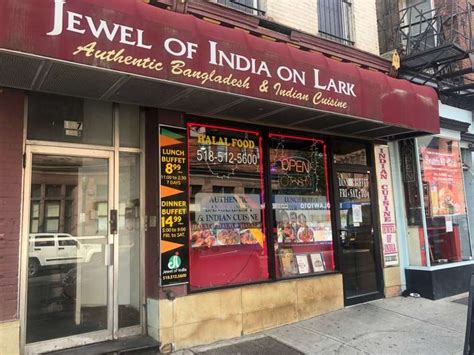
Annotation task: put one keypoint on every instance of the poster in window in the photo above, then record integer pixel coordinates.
(302, 263)
(229, 215)
(227, 237)
(287, 261)
(173, 206)
(317, 262)
(442, 175)
(226, 219)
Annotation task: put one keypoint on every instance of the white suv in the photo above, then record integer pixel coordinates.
(53, 249)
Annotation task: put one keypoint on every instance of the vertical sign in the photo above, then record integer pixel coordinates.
(386, 206)
(174, 222)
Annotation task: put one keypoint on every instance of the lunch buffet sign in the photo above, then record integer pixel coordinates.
(136, 38)
(174, 209)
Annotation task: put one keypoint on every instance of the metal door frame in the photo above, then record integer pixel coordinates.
(81, 339)
(346, 168)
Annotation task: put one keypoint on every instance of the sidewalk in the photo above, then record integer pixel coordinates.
(388, 326)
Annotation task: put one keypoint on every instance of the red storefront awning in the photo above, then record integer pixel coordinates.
(140, 40)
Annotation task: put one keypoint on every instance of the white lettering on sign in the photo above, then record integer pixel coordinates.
(75, 23)
(236, 61)
(341, 87)
(386, 206)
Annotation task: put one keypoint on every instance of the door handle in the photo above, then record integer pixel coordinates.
(37, 249)
(113, 222)
(60, 248)
(343, 235)
(109, 254)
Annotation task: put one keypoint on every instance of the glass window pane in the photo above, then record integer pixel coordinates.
(354, 200)
(350, 153)
(35, 210)
(52, 209)
(36, 190)
(69, 119)
(445, 203)
(415, 233)
(129, 117)
(34, 226)
(129, 240)
(53, 191)
(228, 244)
(52, 225)
(301, 208)
(44, 240)
(67, 281)
(468, 159)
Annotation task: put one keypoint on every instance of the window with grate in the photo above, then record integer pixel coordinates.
(249, 6)
(335, 20)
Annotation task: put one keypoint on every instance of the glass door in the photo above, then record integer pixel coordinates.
(69, 198)
(357, 242)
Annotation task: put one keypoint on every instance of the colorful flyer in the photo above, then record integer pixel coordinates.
(174, 223)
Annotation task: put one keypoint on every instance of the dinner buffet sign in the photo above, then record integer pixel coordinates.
(169, 46)
(174, 209)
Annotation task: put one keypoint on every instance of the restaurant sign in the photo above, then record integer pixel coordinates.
(386, 206)
(136, 38)
(174, 211)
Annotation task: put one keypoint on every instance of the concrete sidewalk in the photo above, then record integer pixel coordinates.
(388, 326)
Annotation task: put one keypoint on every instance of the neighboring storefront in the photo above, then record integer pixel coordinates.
(191, 181)
(435, 205)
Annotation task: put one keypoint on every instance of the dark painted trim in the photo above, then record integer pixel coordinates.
(152, 258)
(454, 125)
(467, 137)
(441, 283)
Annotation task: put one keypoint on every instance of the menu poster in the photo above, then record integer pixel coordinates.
(287, 262)
(317, 262)
(357, 213)
(227, 219)
(442, 172)
(173, 207)
(302, 219)
(303, 264)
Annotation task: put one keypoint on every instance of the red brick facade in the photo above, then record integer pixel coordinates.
(11, 150)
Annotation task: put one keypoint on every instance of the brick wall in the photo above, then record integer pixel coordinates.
(365, 26)
(11, 151)
(303, 16)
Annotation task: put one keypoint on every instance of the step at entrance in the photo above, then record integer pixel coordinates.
(133, 345)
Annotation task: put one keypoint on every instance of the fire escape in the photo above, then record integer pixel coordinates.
(435, 46)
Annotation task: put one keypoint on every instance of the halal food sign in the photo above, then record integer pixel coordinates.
(146, 51)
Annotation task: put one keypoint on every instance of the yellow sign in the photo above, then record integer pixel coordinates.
(395, 60)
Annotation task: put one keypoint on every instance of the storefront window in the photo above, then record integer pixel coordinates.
(69, 119)
(445, 206)
(443, 199)
(410, 179)
(228, 243)
(348, 152)
(468, 169)
(301, 208)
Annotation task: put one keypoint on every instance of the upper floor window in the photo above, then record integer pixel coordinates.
(249, 6)
(335, 20)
